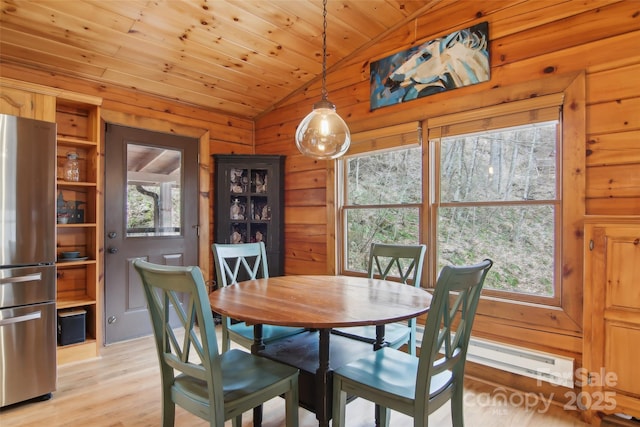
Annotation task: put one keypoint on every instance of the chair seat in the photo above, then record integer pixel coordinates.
(395, 334)
(269, 332)
(392, 372)
(243, 375)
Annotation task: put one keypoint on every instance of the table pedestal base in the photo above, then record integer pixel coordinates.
(315, 381)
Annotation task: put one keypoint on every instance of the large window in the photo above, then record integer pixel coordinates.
(494, 189)
(500, 180)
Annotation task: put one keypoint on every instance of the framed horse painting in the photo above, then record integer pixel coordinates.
(449, 62)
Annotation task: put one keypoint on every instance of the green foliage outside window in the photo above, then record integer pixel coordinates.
(498, 200)
(143, 218)
(496, 197)
(380, 225)
(384, 191)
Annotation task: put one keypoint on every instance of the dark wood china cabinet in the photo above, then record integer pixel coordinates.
(249, 203)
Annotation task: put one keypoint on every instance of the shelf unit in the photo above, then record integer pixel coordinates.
(249, 203)
(79, 282)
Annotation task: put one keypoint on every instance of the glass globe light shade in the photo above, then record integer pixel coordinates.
(323, 134)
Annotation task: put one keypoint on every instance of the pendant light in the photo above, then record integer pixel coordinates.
(323, 134)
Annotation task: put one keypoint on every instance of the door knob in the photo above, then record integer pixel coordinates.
(113, 250)
(112, 234)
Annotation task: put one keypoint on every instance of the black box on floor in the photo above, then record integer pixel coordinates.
(71, 326)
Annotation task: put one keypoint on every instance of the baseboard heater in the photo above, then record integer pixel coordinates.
(552, 368)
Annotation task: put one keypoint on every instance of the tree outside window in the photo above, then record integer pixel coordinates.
(498, 199)
(503, 181)
(383, 196)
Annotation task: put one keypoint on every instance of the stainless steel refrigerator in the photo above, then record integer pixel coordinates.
(27, 259)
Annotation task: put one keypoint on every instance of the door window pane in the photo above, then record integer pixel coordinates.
(154, 191)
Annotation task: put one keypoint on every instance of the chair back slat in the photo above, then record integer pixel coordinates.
(399, 261)
(449, 323)
(245, 261)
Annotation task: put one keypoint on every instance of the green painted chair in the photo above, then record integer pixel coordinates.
(417, 386)
(393, 261)
(195, 376)
(237, 262)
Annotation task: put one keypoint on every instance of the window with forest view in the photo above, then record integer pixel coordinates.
(154, 191)
(504, 181)
(144, 213)
(382, 202)
(498, 198)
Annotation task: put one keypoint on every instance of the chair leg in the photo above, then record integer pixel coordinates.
(168, 412)
(421, 422)
(236, 421)
(412, 343)
(383, 416)
(339, 403)
(457, 405)
(291, 405)
(257, 416)
(226, 341)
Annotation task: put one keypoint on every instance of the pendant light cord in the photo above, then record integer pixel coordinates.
(324, 51)
(322, 134)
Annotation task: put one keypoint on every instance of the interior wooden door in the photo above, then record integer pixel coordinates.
(611, 375)
(151, 212)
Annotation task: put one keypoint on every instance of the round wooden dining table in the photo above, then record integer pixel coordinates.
(318, 303)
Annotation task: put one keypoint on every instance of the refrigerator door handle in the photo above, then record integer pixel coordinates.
(25, 318)
(27, 278)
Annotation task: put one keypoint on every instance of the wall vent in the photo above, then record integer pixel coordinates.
(552, 368)
(557, 370)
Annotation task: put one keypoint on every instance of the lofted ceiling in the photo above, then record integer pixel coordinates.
(240, 57)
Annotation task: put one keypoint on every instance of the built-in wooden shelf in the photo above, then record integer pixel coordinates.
(63, 140)
(79, 225)
(61, 183)
(79, 281)
(76, 302)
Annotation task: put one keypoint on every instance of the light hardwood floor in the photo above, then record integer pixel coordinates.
(121, 389)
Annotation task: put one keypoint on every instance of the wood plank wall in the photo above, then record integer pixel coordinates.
(534, 46)
(225, 134)
(530, 41)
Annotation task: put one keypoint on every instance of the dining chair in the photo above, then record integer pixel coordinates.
(417, 386)
(195, 376)
(403, 262)
(237, 262)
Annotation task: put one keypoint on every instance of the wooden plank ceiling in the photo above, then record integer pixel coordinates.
(240, 57)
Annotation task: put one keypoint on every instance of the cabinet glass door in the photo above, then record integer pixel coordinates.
(249, 208)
